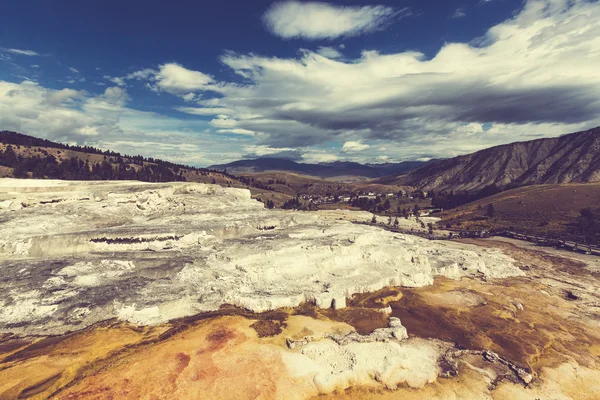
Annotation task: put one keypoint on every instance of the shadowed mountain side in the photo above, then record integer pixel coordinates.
(568, 158)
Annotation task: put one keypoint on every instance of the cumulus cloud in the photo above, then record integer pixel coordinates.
(536, 72)
(106, 121)
(174, 78)
(171, 78)
(329, 52)
(316, 20)
(352, 146)
(56, 114)
(62, 96)
(533, 75)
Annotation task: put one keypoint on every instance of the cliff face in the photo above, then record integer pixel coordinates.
(569, 158)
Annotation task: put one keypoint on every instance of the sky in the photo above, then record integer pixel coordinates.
(208, 82)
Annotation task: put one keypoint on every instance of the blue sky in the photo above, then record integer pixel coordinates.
(369, 81)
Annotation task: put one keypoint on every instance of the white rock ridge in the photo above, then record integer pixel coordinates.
(74, 253)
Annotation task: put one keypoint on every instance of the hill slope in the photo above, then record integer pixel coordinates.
(569, 158)
(27, 156)
(536, 209)
(322, 170)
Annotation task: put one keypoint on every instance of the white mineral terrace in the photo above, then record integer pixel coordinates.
(75, 253)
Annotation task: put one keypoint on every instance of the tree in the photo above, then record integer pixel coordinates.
(387, 205)
(9, 157)
(270, 204)
(588, 224)
(20, 170)
(416, 212)
(396, 223)
(490, 211)
(389, 220)
(405, 213)
(374, 219)
(430, 226)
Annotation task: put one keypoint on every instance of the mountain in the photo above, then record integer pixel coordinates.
(322, 170)
(569, 158)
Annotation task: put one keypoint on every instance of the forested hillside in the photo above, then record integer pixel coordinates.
(23, 156)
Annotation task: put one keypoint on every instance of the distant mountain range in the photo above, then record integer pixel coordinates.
(569, 158)
(322, 170)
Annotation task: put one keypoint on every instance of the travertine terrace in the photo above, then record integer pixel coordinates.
(78, 253)
(103, 281)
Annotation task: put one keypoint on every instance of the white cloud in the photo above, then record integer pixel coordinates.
(62, 96)
(116, 80)
(34, 66)
(459, 13)
(316, 20)
(106, 122)
(171, 78)
(262, 150)
(514, 77)
(20, 52)
(352, 146)
(143, 74)
(189, 96)
(237, 131)
(74, 70)
(223, 121)
(115, 96)
(329, 52)
(51, 113)
(319, 157)
(533, 75)
(174, 78)
(206, 111)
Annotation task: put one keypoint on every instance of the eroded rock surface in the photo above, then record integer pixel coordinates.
(75, 253)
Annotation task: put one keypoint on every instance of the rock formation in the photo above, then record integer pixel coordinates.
(75, 253)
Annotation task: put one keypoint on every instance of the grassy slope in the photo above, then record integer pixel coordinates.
(544, 209)
(62, 154)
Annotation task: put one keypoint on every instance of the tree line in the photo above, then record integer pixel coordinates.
(111, 168)
(449, 200)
